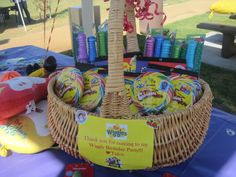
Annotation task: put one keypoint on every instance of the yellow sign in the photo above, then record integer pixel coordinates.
(119, 144)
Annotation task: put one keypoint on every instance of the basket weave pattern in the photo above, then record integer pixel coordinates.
(176, 139)
(115, 103)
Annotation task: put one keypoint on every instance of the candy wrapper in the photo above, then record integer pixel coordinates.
(19, 93)
(186, 93)
(129, 81)
(94, 88)
(69, 86)
(152, 92)
(82, 169)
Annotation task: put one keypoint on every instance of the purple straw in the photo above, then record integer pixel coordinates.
(149, 47)
(82, 48)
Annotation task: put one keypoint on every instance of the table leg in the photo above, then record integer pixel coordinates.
(228, 46)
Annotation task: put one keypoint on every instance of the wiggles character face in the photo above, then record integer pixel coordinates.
(128, 86)
(151, 91)
(184, 94)
(94, 91)
(23, 83)
(93, 80)
(114, 162)
(69, 88)
(129, 93)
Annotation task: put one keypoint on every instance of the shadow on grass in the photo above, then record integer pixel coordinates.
(223, 86)
(216, 38)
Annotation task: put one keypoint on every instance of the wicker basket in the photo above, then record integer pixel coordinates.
(180, 133)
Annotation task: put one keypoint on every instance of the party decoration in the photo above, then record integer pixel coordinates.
(223, 7)
(165, 50)
(19, 94)
(149, 47)
(7, 75)
(69, 86)
(82, 48)
(102, 43)
(27, 133)
(142, 12)
(152, 91)
(184, 95)
(192, 44)
(129, 81)
(158, 45)
(92, 49)
(94, 88)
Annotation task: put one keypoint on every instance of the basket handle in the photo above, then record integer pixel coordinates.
(115, 102)
(132, 41)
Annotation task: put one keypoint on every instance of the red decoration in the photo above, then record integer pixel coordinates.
(128, 25)
(168, 175)
(142, 13)
(18, 94)
(85, 169)
(7, 75)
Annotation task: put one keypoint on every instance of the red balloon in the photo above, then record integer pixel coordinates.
(18, 94)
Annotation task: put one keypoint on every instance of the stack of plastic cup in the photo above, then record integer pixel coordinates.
(166, 46)
(92, 49)
(75, 43)
(190, 55)
(102, 43)
(198, 57)
(149, 47)
(176, 50)
(183, 51)
(158, 44)
(82, 48)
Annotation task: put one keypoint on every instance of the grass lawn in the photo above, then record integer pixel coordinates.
(62, 10)
(171, 2)
(188, 26)
(223, 86)
(65, 4)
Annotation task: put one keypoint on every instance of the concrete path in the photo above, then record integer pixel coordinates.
(212, 52)
(61, 40)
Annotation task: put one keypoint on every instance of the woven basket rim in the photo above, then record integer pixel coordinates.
(205, 88)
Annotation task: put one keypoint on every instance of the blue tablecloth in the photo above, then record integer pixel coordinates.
(19, 57)
(215, 158)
